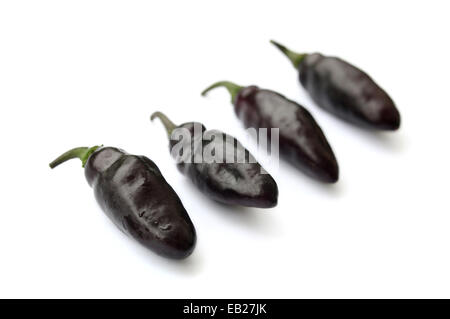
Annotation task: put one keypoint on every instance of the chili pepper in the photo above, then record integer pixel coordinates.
(232, 182)
(301, 140)
(344, 90)
(135, 196)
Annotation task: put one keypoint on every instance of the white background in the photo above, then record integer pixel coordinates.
(81, 73)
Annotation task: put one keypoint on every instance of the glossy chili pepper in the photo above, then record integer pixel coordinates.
(344, 90)
(135, 196)
(301, 140)
(241, 181)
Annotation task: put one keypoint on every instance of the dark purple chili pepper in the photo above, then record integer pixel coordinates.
(241, 181)
(344, 90)
(135, 196)
(301, 141)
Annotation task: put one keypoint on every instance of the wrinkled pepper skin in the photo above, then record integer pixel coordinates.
(245, 183)
(345, 91)
(301, 140)
(132, 192)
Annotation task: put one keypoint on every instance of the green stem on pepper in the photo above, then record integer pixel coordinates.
(168, 124)
(294, 57)
(230, 86)
(82, 153)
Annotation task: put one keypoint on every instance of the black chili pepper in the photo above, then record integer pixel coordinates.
(301, 140)
(344, 90)
(133, 193)
(241, 181)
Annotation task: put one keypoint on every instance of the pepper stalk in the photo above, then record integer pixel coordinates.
(232, 88)
(168, 124)
(294, 57)
(82, 153)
